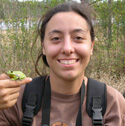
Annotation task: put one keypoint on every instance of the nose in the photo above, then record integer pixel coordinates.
(67, 47)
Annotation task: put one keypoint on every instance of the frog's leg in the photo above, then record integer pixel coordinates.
(17, 77)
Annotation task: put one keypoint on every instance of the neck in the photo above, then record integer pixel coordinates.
(62, 86)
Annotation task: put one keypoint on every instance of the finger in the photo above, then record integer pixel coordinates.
(22, 82)
(7, 99)
(4, 76)
(10, 83)
(13, 96)
(13, 90)
(5, 92)
(10, 104)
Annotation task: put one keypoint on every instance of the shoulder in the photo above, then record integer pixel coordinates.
(115, 112)
(114, 95)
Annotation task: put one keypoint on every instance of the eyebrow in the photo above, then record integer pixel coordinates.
(78, 30)
(55, 31)
(60, 32)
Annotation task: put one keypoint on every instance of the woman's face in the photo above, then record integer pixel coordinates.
(67, 45)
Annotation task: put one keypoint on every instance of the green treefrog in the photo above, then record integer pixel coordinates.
(16, 75)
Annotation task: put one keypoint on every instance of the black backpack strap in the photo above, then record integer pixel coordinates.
(32, 100)
(96, 101)
(46, 106)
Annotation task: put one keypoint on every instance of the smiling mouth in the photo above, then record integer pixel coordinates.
(68, 62)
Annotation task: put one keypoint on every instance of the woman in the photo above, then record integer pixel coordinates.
(67, 39)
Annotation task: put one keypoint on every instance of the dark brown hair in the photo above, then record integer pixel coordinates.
(83, 9)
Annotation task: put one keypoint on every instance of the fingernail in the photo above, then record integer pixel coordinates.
(30, 79)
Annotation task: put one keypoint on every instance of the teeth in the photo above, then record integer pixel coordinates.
(67, 62)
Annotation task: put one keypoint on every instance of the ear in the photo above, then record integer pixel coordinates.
(92, 45)
(43, 48)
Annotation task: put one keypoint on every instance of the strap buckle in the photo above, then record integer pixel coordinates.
(28, 115)
(97, 116)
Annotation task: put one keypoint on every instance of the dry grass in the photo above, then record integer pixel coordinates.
(26, 65)
(112, 80)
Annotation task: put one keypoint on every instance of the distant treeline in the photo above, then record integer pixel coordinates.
(109, 49)
(27, 9)
(15, 9)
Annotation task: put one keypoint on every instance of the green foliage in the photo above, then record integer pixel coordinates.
(109, 52)
(21, 19)
(16, 40)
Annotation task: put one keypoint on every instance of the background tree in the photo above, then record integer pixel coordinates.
(84, 1)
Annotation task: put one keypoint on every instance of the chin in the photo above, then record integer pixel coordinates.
(69, 77)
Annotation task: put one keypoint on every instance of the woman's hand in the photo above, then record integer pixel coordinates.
(9, 90)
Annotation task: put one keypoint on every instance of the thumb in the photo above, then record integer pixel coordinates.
(4, 77)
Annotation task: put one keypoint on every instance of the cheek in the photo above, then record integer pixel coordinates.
(84, 50)
(51, 51)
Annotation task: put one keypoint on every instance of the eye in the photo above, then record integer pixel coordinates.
(79, 38)
(55, 39)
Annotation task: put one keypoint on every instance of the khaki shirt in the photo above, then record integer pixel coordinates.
(64, 110)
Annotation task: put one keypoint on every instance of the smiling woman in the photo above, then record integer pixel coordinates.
(68, 97)
(68, 54)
